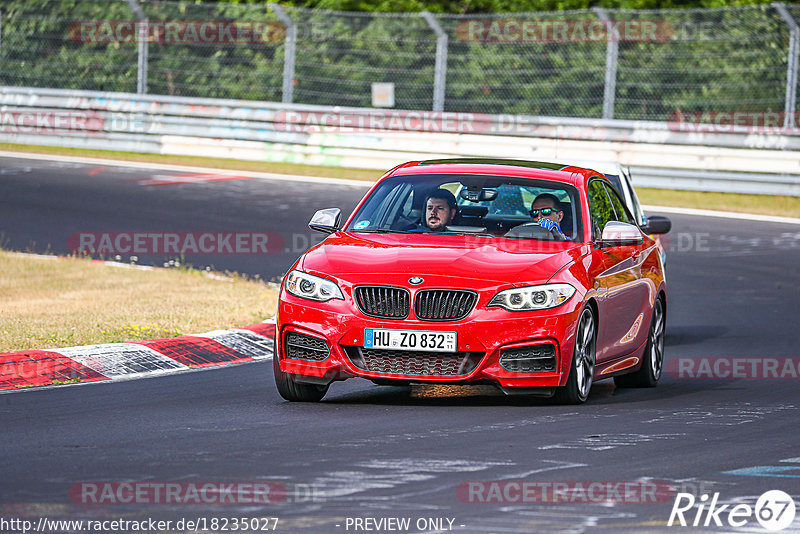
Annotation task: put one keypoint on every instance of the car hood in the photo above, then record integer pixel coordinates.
(499, 260)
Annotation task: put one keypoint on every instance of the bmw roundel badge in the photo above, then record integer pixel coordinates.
(416, 280)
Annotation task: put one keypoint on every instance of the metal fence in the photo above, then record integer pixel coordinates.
(640, 65)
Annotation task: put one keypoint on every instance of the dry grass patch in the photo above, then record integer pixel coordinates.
(50, 303)
(762, 204)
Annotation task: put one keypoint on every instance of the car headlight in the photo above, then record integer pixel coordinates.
(533, 297)
(312, 287)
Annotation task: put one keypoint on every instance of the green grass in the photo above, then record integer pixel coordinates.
(760, 204)
(62, 382)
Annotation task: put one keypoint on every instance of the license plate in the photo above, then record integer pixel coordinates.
(421, 340)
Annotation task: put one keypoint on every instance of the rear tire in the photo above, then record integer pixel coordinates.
(581, 373)
(653, 361)
(289, 388)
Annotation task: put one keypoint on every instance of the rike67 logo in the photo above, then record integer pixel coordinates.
(774, 511)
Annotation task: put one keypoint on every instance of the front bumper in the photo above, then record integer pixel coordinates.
(483, 334)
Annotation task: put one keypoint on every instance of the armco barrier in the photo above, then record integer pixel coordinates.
(765, 163)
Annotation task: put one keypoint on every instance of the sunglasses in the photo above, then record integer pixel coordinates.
(544, 211)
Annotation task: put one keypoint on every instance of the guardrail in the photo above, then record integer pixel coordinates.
(659, 154)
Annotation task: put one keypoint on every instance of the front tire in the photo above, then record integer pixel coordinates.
(290, 389)
(581, 373)
(653, 362)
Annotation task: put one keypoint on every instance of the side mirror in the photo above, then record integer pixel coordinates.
(619, 234)
(657, 224)
(326, 220)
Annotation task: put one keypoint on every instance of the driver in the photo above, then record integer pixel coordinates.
(547, 212)
(440, 209)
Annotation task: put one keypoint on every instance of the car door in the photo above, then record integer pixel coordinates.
(625, 295)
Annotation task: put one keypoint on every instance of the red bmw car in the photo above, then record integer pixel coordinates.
(530, 276)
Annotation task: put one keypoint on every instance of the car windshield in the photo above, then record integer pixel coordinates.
(496, 206)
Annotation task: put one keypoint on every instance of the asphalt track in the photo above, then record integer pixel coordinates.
(43, 203)
(382, 452)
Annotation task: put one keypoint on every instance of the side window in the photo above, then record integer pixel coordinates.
(622, 214)
(384, 207)
(637, 208)
(600, 208)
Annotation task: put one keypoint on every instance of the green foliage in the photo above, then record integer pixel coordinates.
(38, 49)
(732, 59)
(508, 6)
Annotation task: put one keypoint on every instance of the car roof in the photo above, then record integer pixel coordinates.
(498, 167)
(601, 166)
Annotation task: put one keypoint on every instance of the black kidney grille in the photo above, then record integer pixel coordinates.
(385, 302)
(302, 347)
(414, 363)
(530, 359)
(443, 304)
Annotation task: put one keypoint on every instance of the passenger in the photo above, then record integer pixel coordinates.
(547, 212)
(440, 209)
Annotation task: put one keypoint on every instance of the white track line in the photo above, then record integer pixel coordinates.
(187, 168)
(110, 263)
